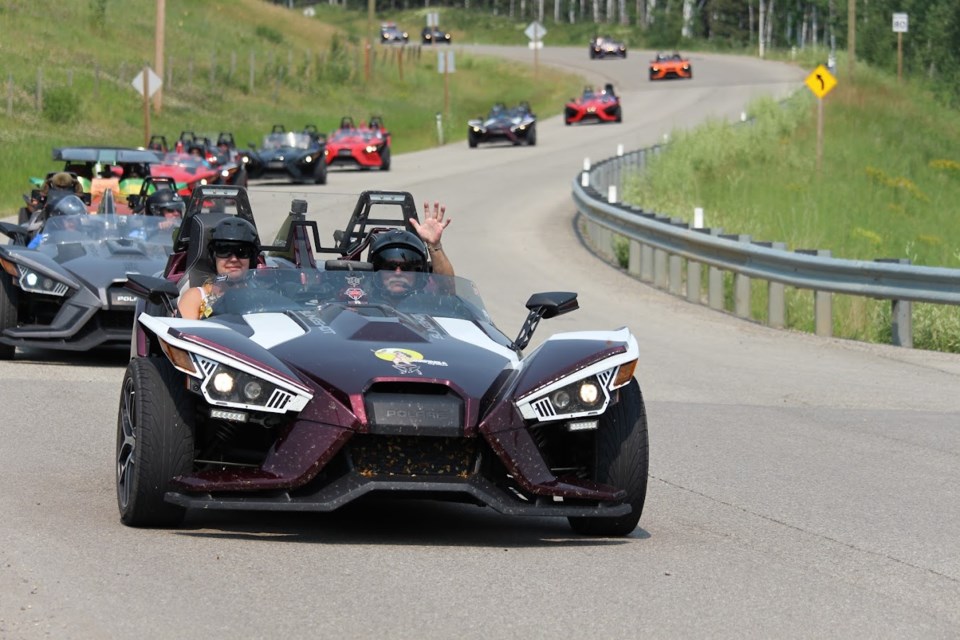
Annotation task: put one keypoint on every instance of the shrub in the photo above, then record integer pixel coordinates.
(61, 106)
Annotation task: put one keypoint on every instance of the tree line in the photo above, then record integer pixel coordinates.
(930, 48)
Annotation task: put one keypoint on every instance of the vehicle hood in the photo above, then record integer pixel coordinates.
(340, 348)
(100, 264)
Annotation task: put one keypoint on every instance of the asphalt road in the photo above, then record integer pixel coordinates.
(799, 487)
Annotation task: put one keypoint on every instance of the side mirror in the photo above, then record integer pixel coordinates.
(544, 305)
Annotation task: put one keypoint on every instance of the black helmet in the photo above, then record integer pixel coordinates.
(164, 199)
(398, 248)
(234, 231)
(67, 205)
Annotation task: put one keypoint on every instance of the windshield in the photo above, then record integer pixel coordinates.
(186, 161)
(291, 289)
(287, 140)
(153, 234)
(364, 135)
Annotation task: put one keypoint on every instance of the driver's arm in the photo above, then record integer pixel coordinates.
(189, 303)
(438, 258)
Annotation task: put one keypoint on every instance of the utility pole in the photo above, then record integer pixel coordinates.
(371, 10)
(158, 52)
(851, 36)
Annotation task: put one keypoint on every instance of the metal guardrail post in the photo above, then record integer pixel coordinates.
(901, 314)
(741, 285)
(715, 288)
(633, 264)
(776, 298)
(822, 301)
(694, 269)
(902, 323)
(675, 265)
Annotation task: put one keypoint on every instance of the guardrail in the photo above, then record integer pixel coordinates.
(668, 254)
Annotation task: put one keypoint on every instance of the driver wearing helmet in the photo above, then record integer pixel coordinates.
(67, 205)
(399, 256)
(168, 204)
(233, 248)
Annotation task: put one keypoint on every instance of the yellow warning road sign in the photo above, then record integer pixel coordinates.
(821, 81)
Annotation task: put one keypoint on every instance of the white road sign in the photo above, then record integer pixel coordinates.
(153, 82)
(535, 31)
(899, 23)
(445, 62)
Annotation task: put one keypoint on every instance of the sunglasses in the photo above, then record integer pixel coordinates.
(242, 252)
(393, 265)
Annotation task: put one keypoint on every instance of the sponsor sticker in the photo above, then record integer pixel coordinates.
(406, 361)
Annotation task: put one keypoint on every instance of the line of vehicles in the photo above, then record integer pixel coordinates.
(308, 387)
(194, 160)
(390, 33)
(518, 125)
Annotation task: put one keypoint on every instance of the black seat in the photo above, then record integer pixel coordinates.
(198, 267)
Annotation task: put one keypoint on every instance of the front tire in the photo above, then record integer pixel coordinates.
(155, 426)
(8, 313)
(532, 137)
(240, 179)
(622, 458)
(385, 159)
(472, 140)
(320, 173)
(23, 216)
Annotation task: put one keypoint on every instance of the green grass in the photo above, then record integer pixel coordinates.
(887, 187)
(307, 71)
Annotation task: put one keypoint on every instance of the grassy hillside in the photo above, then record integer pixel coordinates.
(888, 187)
(84, 55)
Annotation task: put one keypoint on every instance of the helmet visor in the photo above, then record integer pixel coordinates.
(225, 250)
(393, 258)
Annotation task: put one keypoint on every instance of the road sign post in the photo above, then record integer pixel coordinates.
(147, 83)
(446, 66)
(900, 26)
(820, 82)
(535, 32)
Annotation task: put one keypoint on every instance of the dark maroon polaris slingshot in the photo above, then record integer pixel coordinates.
(306, 390)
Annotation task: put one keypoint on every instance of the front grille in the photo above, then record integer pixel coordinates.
(414, 410)
(412, 456)
(116, 319)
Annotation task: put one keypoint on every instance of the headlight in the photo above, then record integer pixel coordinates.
(572, 397)
(227, 386)
(370, 148)
(30, 280)
(581, 398)
(308, 160)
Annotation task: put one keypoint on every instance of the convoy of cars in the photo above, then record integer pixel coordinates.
(297, 156)
(594, 106)
(435, 35)
(606, 47)
(670, 66)
(351, 393)
(363, 146)
(390, 33)
(514, 125)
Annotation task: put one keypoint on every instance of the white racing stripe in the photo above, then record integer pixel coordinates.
(466, 331)
(271, 329)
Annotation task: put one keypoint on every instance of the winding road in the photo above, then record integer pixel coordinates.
(799, 487)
